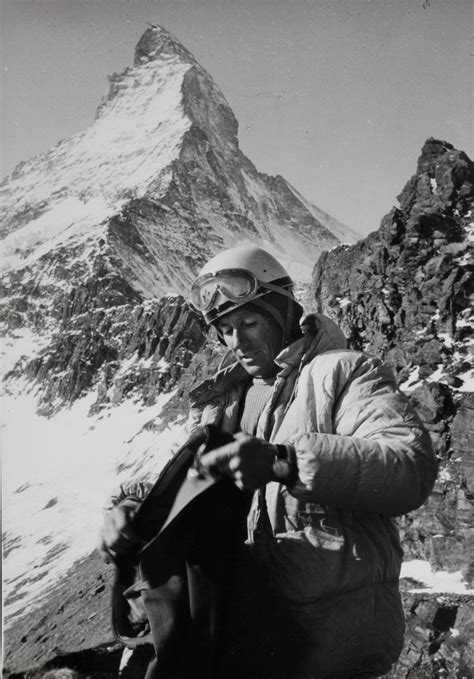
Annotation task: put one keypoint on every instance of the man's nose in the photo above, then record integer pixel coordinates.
(238, 339)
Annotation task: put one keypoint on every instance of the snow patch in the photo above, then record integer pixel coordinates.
(21, 343)
(254, 189)
(67, 219)
(434, 581)
(465, 321)
(464, 260)
(438, 375)
(468, 380)
(444, 476)
(469, 229)
(446, 339)
(413, 381)
(344, 302)
(76, 462)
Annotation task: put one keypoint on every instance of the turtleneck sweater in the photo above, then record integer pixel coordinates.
(254, 402)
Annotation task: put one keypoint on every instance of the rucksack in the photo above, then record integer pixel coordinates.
(190, 526)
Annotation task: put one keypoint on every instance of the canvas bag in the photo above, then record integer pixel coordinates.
(169, 521)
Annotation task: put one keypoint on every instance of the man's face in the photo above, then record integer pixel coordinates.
(255, 340)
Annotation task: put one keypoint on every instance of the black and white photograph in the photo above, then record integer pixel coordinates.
(237, 321)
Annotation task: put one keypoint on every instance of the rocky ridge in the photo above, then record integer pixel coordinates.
(405, 293)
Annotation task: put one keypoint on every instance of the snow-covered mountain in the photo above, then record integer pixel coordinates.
(100, 236)
(157, 182)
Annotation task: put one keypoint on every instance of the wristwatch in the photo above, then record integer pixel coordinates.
(283, 466)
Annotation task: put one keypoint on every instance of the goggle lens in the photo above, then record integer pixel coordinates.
(234, 285)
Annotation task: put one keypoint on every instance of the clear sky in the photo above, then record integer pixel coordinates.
(338, 96)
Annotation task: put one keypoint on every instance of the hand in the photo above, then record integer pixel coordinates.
(116, 536)
(247, 460)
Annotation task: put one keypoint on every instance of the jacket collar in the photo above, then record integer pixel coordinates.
(319, 334)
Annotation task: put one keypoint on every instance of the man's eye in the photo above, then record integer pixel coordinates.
(249, 324)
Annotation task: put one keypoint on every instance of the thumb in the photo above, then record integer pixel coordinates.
(219, 458)
(239, 435)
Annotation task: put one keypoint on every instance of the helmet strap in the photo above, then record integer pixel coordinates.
(276, 288)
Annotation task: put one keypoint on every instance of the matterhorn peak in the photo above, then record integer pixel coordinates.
(159, 183)
(157, 43)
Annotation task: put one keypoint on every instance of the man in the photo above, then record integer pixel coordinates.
(333, 451)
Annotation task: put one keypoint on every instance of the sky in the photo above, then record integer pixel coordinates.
(338, 96)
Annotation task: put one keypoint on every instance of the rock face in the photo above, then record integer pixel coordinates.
(137, 350)
(403, 294)
(439, 638)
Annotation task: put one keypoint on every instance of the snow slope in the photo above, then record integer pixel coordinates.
(58, 475)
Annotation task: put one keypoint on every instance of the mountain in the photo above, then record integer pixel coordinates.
(129, 210)
(102, 236)
(153, 188)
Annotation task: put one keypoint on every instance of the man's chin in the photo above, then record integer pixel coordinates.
(250, 367)
(255, 370)
(252, 370)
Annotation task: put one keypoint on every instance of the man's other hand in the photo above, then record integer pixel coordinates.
(247, 460)
(116, 536)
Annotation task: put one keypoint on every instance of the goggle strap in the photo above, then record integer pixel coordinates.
(276, 288)
(212, 314)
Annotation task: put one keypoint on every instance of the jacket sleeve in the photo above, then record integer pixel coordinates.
(379, 458)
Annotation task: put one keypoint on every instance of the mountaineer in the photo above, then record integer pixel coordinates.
(333, 452)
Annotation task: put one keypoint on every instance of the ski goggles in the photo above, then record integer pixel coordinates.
(235, 285)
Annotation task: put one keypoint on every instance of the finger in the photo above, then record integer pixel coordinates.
(234, 463)
(112, 532)
(218, 458)
(239, 435)
(201, 450)
(106, 554)
(109, 533)
(239, 484)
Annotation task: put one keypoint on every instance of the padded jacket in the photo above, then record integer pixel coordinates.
(328, 541)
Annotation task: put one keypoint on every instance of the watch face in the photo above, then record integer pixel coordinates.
(281, 469)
